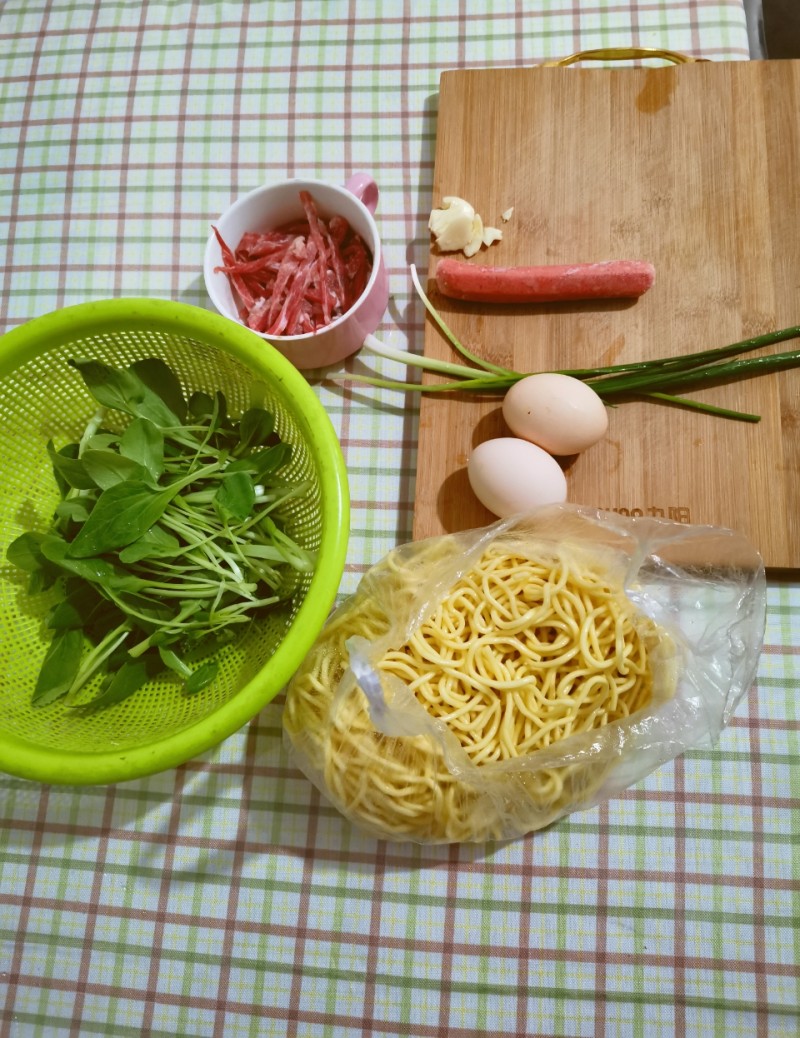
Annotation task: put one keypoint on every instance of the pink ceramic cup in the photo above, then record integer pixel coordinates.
(273, 205)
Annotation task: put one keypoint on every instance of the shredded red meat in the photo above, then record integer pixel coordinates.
(300, 277)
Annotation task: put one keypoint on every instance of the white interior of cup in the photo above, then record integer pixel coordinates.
(271, 206)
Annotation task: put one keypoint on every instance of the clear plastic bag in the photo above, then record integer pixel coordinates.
(393, 768)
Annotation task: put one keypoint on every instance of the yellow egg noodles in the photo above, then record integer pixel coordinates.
(466, 739)
(523, 652)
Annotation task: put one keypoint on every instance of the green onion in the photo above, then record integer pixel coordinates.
(649, 379)
(485, 364)
(700, 374)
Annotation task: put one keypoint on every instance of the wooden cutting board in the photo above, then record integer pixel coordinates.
(695, 168)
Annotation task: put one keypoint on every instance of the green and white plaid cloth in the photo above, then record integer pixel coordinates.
(225, 898)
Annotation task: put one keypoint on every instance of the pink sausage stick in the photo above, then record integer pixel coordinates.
(613, 279)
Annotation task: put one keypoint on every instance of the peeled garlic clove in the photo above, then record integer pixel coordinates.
(452, 224)
(457, 227)
(476, 238)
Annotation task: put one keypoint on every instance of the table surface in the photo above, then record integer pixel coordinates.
(225, 897)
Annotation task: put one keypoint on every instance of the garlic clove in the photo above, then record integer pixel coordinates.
(476, 237)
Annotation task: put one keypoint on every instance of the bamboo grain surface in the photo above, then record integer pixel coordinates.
(695, 168)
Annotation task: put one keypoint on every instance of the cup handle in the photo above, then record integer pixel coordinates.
(363, 186)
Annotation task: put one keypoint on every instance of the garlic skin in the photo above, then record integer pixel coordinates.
(491, 234)
(456, 227)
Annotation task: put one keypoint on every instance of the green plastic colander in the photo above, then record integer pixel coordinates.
(42, 398)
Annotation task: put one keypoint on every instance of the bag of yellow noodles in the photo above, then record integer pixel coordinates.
(478, 686)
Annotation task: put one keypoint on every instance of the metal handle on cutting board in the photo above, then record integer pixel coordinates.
(624, 54)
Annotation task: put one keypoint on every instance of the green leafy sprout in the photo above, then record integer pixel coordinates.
(169, 537)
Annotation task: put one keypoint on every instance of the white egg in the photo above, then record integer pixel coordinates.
(510, 476)
(557, 412)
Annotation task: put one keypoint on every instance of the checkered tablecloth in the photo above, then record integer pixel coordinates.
(225, 898)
